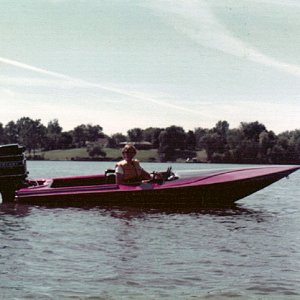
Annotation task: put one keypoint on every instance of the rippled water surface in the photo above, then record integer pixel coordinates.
(248, 251)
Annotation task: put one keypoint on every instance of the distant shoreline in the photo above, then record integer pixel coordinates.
(112, 154)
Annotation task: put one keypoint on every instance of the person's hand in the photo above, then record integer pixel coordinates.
(157, 177)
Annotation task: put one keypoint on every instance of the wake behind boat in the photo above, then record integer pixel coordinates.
(177, 189)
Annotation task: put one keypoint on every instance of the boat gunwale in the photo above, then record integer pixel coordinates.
(40, 191)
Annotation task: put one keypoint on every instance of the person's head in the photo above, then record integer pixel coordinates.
(129, 151)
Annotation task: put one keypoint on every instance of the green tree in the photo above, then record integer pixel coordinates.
(267, 140)
(250, 144)
(234, 139)
(80, 135)
(199, 134)
(135, 135)
(190, 141)
(94, 132)
(115, 140)
(212, 143)
(11, 132)
(86, 133)
(252, 130)
(297, 150)
(277, 154)
(293, 151)
(222, 128)
(31, 133)
(2, 136)
(96, 151)
(151, 134)
(53, 127)
(171, 139)
(65, 140)
(53, 134)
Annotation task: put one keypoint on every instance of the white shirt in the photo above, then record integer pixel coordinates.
(119, 170)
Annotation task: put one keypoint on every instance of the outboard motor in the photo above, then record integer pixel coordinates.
(13, 170)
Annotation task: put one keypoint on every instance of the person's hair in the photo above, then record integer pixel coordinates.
(129, 147)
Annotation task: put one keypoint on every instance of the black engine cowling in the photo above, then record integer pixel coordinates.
(13, 170)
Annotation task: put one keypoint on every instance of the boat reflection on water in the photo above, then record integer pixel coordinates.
(123, 212)
(15, 209)
(131, 213)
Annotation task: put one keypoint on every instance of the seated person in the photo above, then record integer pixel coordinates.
(129, 171)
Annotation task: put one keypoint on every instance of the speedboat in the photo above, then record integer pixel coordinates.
(210, 187)
(173, 189)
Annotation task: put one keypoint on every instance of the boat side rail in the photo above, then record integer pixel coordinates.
(217, 173)
(78, 181)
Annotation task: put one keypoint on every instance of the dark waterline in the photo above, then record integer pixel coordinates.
(250, 250)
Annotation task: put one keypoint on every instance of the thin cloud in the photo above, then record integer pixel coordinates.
(32, 68)
(7, 92)
(81, 83)
(291, 3)
(196, 20)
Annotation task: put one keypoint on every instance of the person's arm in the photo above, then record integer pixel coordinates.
(145, 175)
(119, 175)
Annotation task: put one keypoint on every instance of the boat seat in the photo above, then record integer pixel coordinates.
(81, 181)
(110, 176)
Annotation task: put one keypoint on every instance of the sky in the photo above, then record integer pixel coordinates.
(123, 64)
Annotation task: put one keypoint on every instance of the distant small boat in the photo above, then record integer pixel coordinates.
(177, 189)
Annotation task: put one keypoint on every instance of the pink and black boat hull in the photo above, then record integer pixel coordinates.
(209, 188)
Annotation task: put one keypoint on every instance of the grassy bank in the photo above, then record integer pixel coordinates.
(111, 154)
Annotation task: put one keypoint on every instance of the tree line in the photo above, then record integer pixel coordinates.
(249, 143)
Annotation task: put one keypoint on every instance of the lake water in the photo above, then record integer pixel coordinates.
(250, 251)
